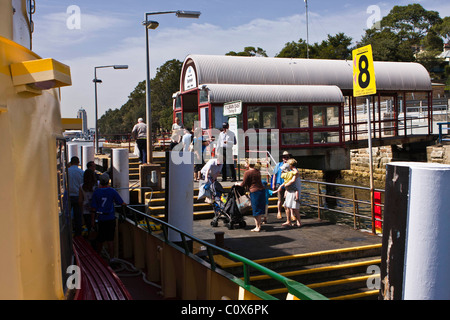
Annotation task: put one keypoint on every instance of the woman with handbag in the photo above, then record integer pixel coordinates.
(252, 182)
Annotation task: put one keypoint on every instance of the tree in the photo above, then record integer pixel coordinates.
(335, 47)
(412, 22)
(387, 46)
(163, 85)
(249, 52)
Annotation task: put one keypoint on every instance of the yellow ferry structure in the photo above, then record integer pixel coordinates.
(35, 235)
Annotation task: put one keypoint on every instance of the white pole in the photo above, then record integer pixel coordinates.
(121, 173)
(427, 255)
(181, 196)
(88, 155)
(72, 151)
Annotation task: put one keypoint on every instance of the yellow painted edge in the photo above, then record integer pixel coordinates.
(311, 254)
(71, 120)
(15, 44)
(321, 269)
(357, 295)
(40, 65)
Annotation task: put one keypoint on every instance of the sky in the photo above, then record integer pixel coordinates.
(85, 34)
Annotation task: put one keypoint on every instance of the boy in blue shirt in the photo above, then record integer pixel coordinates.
(104, 217)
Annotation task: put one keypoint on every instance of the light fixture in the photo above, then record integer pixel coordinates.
(188, 14)
(151, 24)
(120, 66)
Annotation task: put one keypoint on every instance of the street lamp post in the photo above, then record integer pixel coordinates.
(116, 66)
(153, 25)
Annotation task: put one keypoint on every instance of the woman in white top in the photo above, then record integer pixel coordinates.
(291, 203)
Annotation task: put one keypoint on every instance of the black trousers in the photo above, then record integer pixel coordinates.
(228, 165)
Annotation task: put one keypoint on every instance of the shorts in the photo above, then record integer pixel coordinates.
(106, 230)
(280, 194)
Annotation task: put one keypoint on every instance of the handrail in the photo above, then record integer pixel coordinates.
(295, 288)
(440, 124)
(355, 201)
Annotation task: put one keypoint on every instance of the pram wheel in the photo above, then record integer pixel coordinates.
(214, 223)
(229, 225)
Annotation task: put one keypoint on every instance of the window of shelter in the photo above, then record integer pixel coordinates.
(261, 117)
(295, 116)
(325, 116)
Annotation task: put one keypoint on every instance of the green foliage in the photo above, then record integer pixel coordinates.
(335, 47)
(163, 85)
(249, 52)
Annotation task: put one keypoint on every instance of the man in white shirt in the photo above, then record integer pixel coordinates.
(227, 140)
(139, 133)
(186, 140)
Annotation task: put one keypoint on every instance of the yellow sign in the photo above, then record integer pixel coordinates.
(363, 72)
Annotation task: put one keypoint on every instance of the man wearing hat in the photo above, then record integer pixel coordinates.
(227, 140)
(104, 217)
(278, 181)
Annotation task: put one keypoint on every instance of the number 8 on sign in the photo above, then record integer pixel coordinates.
(363, 72)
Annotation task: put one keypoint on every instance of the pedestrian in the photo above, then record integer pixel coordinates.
(92, 166)
(177, 130)
(103, 217)
(212, 169)
(139, 133)
(252, 182)
(186, 139)
(268, 194)
(199, 159)
(209, 174)
(86, 191)
(277, 181)
(75, 181)
(226, 141)
(291, 204)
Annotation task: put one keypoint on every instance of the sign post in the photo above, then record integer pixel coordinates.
(364, 84)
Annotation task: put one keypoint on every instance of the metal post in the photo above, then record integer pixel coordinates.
(307, 31)
(147, 99)
(369, 139)
(96, 114)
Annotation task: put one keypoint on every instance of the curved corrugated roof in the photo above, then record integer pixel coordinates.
(222, 93)
(390, 76)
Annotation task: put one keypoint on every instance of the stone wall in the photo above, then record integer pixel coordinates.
(359, 164)
(438, 154)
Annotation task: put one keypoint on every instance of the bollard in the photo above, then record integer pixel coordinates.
(219, 236)
(121, 173)
(415, 259)
(180, 195)
(72, 151)
(88, 155)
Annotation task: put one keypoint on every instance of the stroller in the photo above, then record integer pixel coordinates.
(227, 211)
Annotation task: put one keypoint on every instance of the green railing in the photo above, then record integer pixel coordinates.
(296, 289)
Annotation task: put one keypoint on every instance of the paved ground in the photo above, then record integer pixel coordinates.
(274, 240)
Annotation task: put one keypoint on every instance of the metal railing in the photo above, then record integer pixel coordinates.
(353, 205)
(447, 126)
(145, 221)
